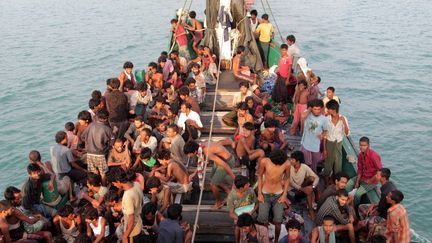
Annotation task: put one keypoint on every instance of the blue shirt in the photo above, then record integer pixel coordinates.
(313, 127)
(170, 232)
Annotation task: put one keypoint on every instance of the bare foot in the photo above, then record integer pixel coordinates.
(218, 205)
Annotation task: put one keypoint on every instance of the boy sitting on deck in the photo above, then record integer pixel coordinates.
(96, 192)
(272, 137)
(230, 118)
(242, 72)
(223, 160)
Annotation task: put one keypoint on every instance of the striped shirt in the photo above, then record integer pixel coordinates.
(398, 229)
(331, 208)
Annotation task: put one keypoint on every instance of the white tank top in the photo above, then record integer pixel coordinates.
(97, 230)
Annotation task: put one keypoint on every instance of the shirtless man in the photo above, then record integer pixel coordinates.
(223, 163)
(197, 30)
(120, 154)
(273, 184)
(245, 149)
(242, 72)
(272, 138)
(300, 101)
(176, 176)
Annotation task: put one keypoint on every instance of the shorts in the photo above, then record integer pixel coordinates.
(97, 164)
(271, 202)
(177, 188)
(219, 175)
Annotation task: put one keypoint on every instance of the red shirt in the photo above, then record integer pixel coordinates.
(368, 164)
(181, 36)
(284, 66)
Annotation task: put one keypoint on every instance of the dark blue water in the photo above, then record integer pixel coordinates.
(378, 55)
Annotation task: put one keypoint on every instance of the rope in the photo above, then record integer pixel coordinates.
(207, 153)
(274, 20)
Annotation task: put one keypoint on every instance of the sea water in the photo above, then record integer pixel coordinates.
(377, 54)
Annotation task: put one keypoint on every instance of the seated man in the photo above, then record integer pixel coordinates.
(96, 192)
(231, 117)
(160, 111)
(135, 128)
(272, 137)
(273, 184)
(337, 207)
(243, 116)
(119, 154)
(160, 195)
(190, 122)
(222, 173)
(171, 229)
(341, 179)
(198, 76)
(246, 151)
(303, 181)
(184, 94)
(326, 232)
(250, 231)
(293, 228)
(144, 161)
(145, 140)
(242, 199)
(176, 176)
(67, 223)
(32, 191)
(239, 71)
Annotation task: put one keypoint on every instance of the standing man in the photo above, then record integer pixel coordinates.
(398, 229)
(285, 63)
(265, 31)
(293, 49)
(273, 184)
(337, 130)
(97, 139)
(368, 165)
(117, 104)
(132, 203)
(315, 130)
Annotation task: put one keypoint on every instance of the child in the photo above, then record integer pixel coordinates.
(96, 192)
(96, 225)
(160, 195)
(71, 137)
(243, 116)
(145, 161)
(272, 137)
(67, 222)
(300, 105)
(84, 120)
(200, 81)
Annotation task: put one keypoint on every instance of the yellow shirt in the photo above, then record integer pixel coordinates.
(265, 30)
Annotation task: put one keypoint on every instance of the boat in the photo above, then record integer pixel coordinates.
(214, 225)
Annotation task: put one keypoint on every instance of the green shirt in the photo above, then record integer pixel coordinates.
(247, 200)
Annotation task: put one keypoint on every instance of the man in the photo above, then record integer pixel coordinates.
(265, 31)
(301, 97)
(375, 214)
(273, 184)
(166, 66)
(176, 176)
(32, 191)
(325, 233)
(303, 180)
(132, 203)
(222, 173)
(337, 129)
(251, 232)
(368, 165)
(242, 199)
(185, 97)
(293, 49)
(97, 139)
(120, 155)
(177, 144)
(253, 20)
(145, 140)
(190, 122)
(285, 63)
(118, 107)
(398, 227)
(171, 230)
(314, 131)
(330, 96)
(94, 106)
(199, 77)
(341, 179)
(180, 36)
(337, 207)
(63, 162)
(230, 118)
(126, 74)
(135, 128)
(293, 228)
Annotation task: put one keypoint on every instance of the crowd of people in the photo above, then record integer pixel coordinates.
(120, 172)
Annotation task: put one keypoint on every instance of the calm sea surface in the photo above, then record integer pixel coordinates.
(378, 55)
